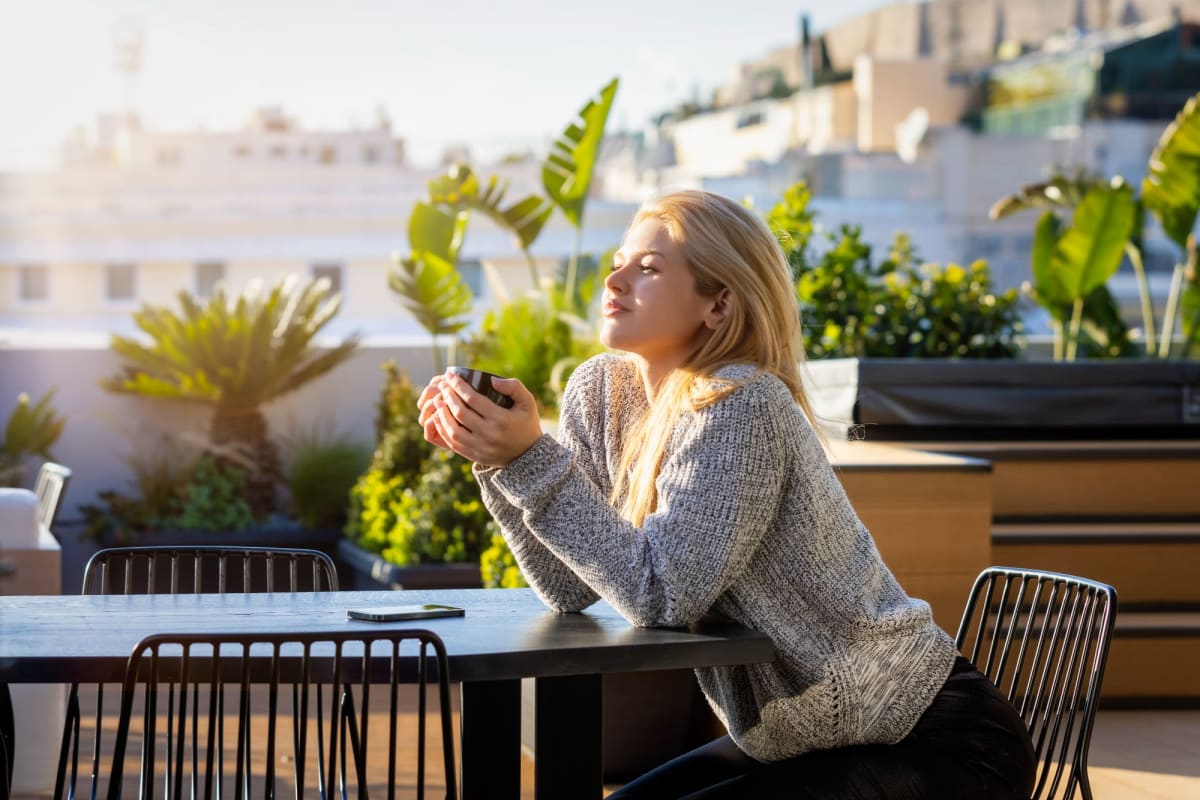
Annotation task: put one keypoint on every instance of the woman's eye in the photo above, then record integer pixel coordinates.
(647, 269)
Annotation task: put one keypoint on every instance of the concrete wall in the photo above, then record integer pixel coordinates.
(105, 431)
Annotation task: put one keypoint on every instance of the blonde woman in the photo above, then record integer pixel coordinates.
(687, 479)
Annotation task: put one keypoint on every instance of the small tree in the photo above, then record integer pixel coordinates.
(235, 354)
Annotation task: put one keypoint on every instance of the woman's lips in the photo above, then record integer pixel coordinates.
(613, 308)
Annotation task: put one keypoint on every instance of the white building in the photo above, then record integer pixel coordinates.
(136, 216)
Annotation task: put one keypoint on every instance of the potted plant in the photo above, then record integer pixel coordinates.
(1123, 389)
(232, 354)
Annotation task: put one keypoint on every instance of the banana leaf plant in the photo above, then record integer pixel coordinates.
(32, 429)
(567, 171)
(234, 354)
(1171, 192)
(427, 280)
(1071, 264)
(460, 189)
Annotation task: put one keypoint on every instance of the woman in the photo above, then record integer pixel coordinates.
(687, 479)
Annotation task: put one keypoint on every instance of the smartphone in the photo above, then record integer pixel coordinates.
(389, 613)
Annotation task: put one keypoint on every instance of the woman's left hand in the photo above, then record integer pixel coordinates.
(477, 429)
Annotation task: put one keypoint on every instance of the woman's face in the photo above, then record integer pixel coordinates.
(651, 306)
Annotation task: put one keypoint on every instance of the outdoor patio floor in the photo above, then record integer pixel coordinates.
(1135, 755)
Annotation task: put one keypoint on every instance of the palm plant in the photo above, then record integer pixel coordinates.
(32, 429)
(235, 354)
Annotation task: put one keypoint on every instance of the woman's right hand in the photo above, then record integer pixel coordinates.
(429, 402)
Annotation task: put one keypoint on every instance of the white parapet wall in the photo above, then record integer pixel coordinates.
(106, 432)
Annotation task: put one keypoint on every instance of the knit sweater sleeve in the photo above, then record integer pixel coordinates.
(553, 581)
(718, 488)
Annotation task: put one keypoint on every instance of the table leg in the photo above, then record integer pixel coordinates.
(491, 740)
(569, 757)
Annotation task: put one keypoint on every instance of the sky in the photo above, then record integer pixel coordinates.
(496, 75)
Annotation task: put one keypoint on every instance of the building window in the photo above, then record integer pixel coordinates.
(278, 151)
(327, 155)
(331, 271)
(242, 151)
(33, 283)
(208, 275)
(370, 155)
(169, 157)
(120, 282)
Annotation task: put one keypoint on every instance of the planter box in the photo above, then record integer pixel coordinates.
(366, 570)
(943, 400)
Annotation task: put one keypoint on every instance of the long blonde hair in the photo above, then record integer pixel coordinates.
(725, 246)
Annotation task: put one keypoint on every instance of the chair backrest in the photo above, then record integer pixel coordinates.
(177, 570)
(208, 569)
(352, 740)
(51, 485)
(1043, 639)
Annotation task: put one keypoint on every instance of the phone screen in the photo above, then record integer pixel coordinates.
(390, 613)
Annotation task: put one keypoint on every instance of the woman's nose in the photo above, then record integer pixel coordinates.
(615, 281)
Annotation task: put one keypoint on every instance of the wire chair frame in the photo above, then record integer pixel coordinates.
(177, 570)
(1043, 638)
(203, 668)
(190, 569)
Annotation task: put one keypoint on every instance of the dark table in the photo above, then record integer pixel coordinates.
(506, 635)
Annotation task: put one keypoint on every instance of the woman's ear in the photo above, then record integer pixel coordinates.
(719, 310)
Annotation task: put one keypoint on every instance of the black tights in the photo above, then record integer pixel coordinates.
(970, 743)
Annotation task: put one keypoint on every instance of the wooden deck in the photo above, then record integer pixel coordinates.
(1136, 755)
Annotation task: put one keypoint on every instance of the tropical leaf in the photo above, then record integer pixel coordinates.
(567, 170)
(1059, 191)
(433, 291)
(1171, 188)
(1090, 251)
(1049, 289)
(460, 189)
(434, 230)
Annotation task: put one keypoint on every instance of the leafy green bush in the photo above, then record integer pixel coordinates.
(207, 496)
(852, 306)
(319, 477)
(213, 500)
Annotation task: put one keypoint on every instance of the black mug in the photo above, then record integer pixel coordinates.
(482, 382)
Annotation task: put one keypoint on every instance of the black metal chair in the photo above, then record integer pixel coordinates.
(7, 732)
(180, 570)
(185, 681)
(1043, 639)
(51, 485)
(208, 569)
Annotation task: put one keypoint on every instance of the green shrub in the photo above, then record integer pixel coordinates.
(320, 475)
(213, 500)
(852, 306)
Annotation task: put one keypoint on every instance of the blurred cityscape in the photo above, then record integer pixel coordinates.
(913, 118)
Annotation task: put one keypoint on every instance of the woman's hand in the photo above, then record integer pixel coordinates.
(455, 416)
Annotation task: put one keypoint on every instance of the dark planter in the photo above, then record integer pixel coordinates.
(366, 570)
(77, 550)
(944, 400)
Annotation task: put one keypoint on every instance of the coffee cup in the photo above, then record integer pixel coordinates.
(481, 382)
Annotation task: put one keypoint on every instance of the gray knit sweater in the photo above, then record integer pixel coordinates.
(751, 523)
